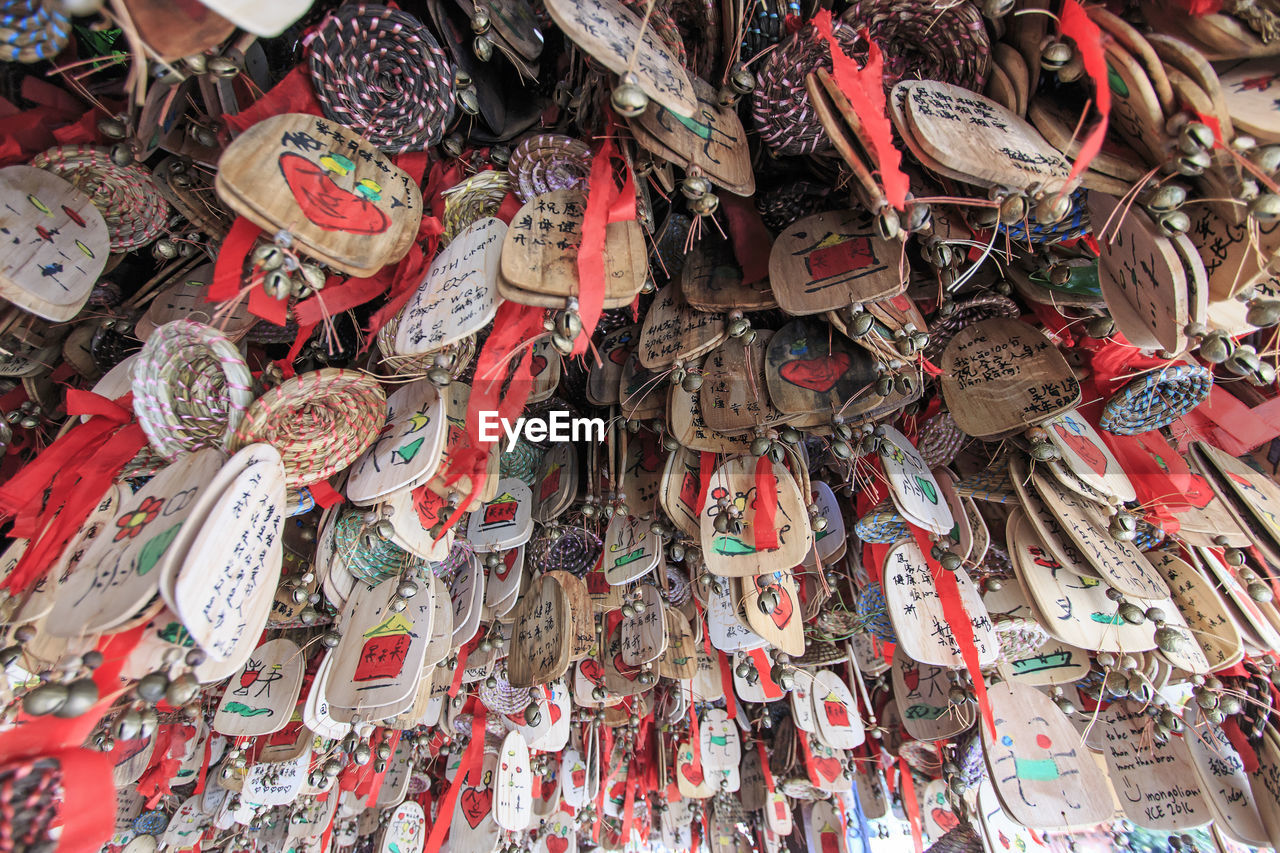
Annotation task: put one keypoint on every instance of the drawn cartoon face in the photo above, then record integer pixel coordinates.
(1028, 754)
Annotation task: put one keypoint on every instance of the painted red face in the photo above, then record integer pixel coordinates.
(325, 203)
(820, 373)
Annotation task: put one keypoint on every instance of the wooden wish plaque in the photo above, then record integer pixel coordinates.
(338, 196)
(833, 260)
(1001, 375)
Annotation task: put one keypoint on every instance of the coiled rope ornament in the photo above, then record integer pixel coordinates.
(126, 196)
(380, 72)
(1156, 399)
(943, 42)
(549, 161)
(319, 421)
(368, 556)
(33, 30)
(191, 388)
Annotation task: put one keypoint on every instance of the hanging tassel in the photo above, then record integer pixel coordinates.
(766, 503)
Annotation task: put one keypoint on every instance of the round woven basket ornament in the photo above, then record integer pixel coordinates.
(549, 161)
(474, 198)
(882, 525)
(873, 613)
(126, 196)
(33, 30)
(1019, 636)
(940, 440)
(319, 421)
(943, 42)
(191, 388)
(380, 72)
(780, 106)
(1156, 399)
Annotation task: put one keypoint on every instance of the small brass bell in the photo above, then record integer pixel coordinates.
(1055, 55)
(629, 100)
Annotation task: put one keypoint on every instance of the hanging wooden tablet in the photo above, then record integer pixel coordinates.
(1223, 780)
(1041, 776)
(736, 555)
(1207, 617)
(712, 280)
(1076, 609)
(1000, 832)
(1152, 780)
(631, 549)
(644, 635)
(546, 368)
(679, 660)
(673, 331)
(678, 495)
(1088, 456)
(604, 375)
(782, 624)
(339, 197)
(405, 829)
(503, 580)
(642, 471)
(828, 542)
(973, 136)
(1046, 523)
(609, 32)
(379, 659)
(691, 780)
(459, 295)
(1254, 625)
(916, 610)
(120, 573)
(1118, 563)
(541, 635)
(1142, 277)
(835, 712)
(540, 253)
(725, 629)
(260, 698)
(641, 393)
(686, 425)
(832, 260)
(1265, 781)
(56, 243)
(505, 521)
(912, 485)
(472, 826)
(921, 691)
(718, 742)
(736, 400)
(1001, 375)
(513, 787)
(810, 369)
(619, 678)
(1054, 662)
(1252, 499)
(556, 485)
(712, 140)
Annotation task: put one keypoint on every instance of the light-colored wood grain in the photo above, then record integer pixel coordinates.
(55, 241)
(712, 140)
(604, 375)
(1140, 269)
(1054, 662)
(734, 393)
(678, 495)
(686, 425)
(731, 555)
(712, 280)
(644, 635)
(835, 712)
(782, 627)
(912, 486)
(674, 331)
(1250, 90)
(542, 636)
(292, 173)
(631, 549)
(831, 260)
(407, 449)
(184, 299)
(1202, 608)
(259, 699)
(971, 134)
(505, 521)
(1136, 115)
(916, 610)
(810, 368)
(1118, 563)
(513, 788)
(1252, 499)
(1088, 456)
(1137, 45)
(1223, 780)
(1154, 782)
(1000, 375)
(1076, 609)
(921, 693)
(459, 296)
(1041, 774)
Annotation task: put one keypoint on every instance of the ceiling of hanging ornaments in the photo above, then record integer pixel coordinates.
(660, 426)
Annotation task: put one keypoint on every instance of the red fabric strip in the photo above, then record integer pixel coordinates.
(763, 526)
(471, 758)
(726, 680)
(706, 467)
(764, 767)
(803, 738)
(601, 194)
(324, 494)
(229, 268)
(752, 242)
(911, 804)
(1075, 25)
(958, 619)
(864, 87)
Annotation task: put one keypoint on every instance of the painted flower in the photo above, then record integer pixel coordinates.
(131, 523)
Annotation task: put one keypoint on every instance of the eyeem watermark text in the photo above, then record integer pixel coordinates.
(556, 426)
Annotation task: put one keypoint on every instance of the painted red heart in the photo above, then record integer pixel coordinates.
(537, 364)
(817, 374)
(945, 818)
(555, 713)
(326, 204)
(476, 803)
(592, 671)
(627, 672)
(556, 844)
(826, 768)
(693, 774)
(1084, 448)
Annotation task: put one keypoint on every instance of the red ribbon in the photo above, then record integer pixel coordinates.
(606, 204)
(957, 617)
(763, 527)
(53, 495)
(229, 268)
(1075, 25)
(803, 739)
(726, 681)
(909, 802)
(752, 242)
(706, 466)
(171, 742)
(764, 767)
(471, 758)
(864, 88)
